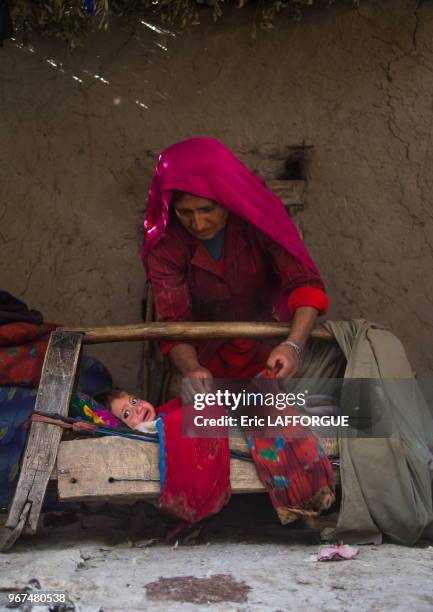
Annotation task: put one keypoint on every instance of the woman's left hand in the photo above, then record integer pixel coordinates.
(283, 362)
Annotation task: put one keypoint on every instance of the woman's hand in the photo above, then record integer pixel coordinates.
(283, 362)
(196, 380)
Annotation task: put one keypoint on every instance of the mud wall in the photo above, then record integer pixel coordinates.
(80, 131)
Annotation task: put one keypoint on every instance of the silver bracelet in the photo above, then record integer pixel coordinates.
(295, 346)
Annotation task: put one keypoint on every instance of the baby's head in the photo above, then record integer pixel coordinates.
(126, 407)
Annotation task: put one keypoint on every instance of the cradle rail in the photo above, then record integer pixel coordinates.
(58, 377)
(113, 468)
(190, 331)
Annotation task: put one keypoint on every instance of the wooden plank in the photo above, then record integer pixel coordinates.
(119, 469)
(92, 470)
(8, 537)
(190, 331)
(54, 393)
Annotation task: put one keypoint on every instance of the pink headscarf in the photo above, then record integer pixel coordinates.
(207, 168)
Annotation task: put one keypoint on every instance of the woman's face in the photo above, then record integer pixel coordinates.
(202, 218)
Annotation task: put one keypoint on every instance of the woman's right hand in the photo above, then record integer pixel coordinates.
(197, 380)
(195, 377)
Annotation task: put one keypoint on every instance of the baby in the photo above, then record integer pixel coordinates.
(136, 413)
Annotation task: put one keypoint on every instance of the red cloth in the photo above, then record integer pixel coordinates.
(189, 285)
(195, 472)
(308, 296)
(296, 472)
(22, 352)
(239, 358)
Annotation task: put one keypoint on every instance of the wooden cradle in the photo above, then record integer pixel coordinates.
(111, 468)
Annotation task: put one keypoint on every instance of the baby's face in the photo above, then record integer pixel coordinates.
(132, 410)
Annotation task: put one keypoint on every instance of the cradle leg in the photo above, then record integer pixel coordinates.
(54, 393)
(8, 537)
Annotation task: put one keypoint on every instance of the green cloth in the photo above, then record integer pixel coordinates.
(215, 245)
(386, 482)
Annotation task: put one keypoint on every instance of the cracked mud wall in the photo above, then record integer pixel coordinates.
(79, 134)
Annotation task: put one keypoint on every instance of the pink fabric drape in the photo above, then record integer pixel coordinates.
(207, 168)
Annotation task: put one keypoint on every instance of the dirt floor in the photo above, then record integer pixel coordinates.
(112, 557)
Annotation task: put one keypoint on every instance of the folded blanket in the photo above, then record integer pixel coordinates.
(22, 352)
(13, 310)
(16, 406)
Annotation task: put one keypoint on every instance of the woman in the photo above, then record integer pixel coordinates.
(220, 246)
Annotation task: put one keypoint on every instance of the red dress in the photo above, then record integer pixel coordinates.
(189, 285)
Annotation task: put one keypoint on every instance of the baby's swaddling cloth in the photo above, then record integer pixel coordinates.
(147, 427)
